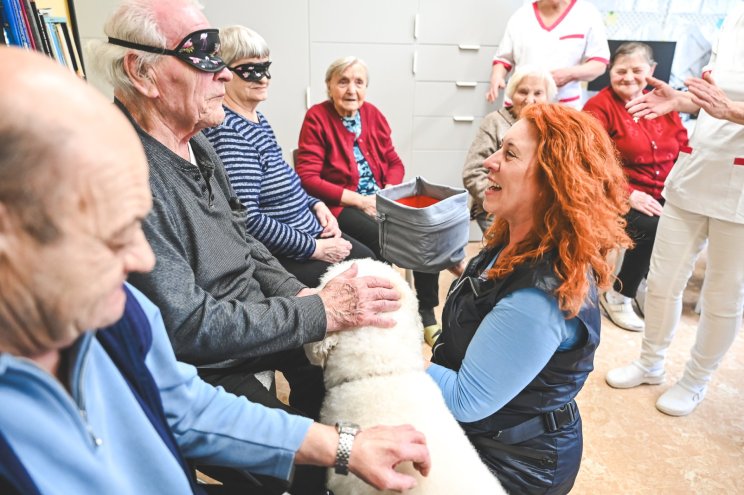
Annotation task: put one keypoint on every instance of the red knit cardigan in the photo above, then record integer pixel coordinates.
(648, 148)
(325, 155)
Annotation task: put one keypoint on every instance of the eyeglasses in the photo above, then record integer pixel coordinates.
(252, 71)
(199, 49)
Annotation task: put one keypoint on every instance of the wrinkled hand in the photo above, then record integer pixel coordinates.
(562, 76)
(354, 302)
(327, 221)
(368, 205)
(497, 84)
(708, 96)
(331, 250)
(645, 203)
(657, 102)
(378, 450)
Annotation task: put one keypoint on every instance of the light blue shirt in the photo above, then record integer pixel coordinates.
(511, 346)
(112, 447)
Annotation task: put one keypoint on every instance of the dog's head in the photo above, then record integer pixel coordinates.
(367, 351)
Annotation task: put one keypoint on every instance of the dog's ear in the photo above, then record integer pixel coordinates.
(317, 352)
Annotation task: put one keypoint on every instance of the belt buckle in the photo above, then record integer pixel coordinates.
(557, 418)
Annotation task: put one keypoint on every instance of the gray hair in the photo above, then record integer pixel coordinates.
(339, 65)
(239, 42)
(135, 21)
(524, 71)
(631, 47)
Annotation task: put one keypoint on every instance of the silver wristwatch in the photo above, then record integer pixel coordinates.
(346, 434)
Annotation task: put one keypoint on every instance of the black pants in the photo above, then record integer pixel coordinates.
(305, 398)
(642, 229)
(361, 226)
(309, 271)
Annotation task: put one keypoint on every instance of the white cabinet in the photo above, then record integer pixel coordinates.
(377, 22)
(471, 22)
(455, 44)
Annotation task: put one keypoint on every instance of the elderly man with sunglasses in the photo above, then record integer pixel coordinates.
(229, 307)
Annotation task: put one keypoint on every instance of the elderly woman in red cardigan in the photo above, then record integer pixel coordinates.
(346, 155)
(648, 149)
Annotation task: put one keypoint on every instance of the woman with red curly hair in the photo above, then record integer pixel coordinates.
(521, 325)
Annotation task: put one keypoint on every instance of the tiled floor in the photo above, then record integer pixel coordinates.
(631, 448)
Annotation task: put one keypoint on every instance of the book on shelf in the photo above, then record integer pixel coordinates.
(47, 26)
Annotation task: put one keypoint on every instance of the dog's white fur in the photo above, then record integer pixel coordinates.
(376, 376)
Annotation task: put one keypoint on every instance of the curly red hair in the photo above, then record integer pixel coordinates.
(580, 213)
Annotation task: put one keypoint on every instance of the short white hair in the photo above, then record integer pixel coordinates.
(339, 65)
(524, 71)
(238, 42)
(135, 21)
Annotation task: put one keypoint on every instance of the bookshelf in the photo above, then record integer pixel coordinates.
(47, 26)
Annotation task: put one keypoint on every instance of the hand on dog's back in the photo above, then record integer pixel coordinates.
(352, 301)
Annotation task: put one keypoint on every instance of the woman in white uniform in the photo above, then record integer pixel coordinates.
(704, 202)
(566, 37)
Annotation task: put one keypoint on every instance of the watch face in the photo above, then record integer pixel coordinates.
(347, 427)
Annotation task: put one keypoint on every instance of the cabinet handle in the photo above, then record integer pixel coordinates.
(466, 84)
(307, 98)
(415, 60)
(463, 118)
(463, 47)
(415, 26)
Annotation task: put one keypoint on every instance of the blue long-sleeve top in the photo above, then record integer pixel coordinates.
(511, 346)
(279, 211)
(56, 442)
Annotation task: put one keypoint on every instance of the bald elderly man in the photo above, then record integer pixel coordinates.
(111, 410)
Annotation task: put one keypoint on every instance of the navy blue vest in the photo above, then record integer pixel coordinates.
(127, 343)
(531, 466)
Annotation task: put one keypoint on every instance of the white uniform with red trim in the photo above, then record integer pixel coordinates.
(709, 178)
(576, 37)
(704, 203)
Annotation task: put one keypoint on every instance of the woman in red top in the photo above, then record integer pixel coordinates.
(345, 155)
(648, 149)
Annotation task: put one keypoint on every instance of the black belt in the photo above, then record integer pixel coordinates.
(548, 422)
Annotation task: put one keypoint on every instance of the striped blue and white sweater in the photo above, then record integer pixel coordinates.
(279, 211)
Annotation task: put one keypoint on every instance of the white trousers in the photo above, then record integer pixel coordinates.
(680, 238)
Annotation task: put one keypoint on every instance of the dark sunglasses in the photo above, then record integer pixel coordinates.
(199, 49)
(252, 72)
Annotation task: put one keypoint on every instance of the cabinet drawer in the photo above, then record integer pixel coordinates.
(445, 99)
(465, 21)
(441, 167)
(451, 63)
(443, 133)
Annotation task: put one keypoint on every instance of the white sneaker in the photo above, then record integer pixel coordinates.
(680, 400)
(633, 375)
(622, 314)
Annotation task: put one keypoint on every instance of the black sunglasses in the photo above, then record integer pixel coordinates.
(199, 49)
(252, 71)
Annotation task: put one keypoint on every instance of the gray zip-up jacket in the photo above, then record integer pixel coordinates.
(223, 296)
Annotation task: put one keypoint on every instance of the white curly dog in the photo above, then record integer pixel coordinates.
(376, 376)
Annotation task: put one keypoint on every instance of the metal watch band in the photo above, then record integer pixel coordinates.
(346, 434)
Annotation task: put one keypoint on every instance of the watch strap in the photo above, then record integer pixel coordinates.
(346, 434)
